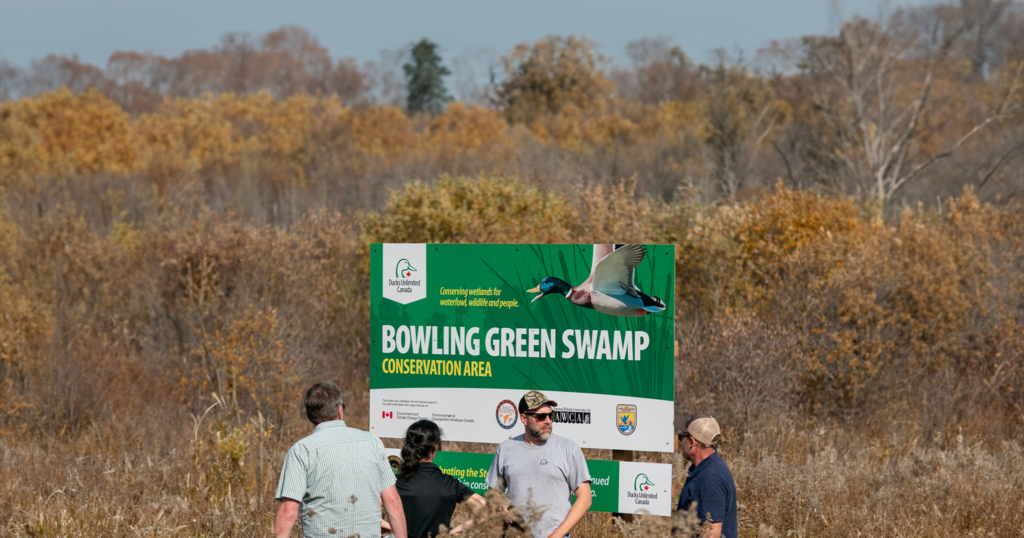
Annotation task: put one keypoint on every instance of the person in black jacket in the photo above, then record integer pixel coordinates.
(428, 495)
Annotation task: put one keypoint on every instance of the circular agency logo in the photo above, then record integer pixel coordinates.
(395, 462)
(507, 414)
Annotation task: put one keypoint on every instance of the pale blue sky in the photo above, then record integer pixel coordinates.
(95, 29)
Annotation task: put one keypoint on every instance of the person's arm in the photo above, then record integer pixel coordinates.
(474, 501)
(714, 532)
(291, 485)
(393, 507)
(287, 513)
(495, 480)
(579, 508)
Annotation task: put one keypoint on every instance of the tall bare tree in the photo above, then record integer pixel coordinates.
(874, 85)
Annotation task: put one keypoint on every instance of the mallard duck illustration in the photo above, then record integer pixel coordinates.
(611, 288)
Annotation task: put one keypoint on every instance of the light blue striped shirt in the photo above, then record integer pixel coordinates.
(337, 474)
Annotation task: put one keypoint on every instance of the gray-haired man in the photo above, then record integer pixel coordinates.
(337, 477)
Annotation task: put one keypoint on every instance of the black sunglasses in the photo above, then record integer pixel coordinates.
(541, 417)
(682, 436)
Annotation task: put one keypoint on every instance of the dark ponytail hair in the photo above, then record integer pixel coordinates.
(422, 439)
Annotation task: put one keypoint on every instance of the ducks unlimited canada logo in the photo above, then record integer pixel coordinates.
(642, 493)
(405, 272)
(642, 483)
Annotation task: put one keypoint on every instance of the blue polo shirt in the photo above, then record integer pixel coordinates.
(711, 486)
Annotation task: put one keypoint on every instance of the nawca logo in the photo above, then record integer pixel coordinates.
(408, 283)
(625, 418)
(404, 269)
(642, 483)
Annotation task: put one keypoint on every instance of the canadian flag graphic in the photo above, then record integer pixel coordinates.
(387, 414)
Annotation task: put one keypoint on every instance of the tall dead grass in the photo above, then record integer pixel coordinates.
(153, 350)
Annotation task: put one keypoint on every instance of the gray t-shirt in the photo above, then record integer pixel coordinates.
(545, 475)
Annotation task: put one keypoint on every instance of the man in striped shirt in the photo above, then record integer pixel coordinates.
(336, 478)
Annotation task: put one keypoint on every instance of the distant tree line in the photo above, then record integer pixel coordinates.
(871, 110)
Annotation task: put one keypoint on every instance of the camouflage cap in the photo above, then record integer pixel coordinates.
(533, 400)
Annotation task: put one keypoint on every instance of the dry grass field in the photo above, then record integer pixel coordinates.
(184, 249)
(867, 374)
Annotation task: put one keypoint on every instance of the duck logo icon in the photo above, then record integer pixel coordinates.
(395, 463)
(642, 483)
(404, 269)
(409, 281)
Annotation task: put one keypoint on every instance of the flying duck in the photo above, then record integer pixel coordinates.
(610, 288)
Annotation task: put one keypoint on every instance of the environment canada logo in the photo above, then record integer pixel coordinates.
(625, 418)
(507, 414)
(405, 272)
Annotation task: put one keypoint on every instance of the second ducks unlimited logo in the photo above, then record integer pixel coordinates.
(405, 272)
(642, 494)
(642, 483)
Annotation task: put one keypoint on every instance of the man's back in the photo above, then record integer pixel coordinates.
(711, 487)
(337, 473)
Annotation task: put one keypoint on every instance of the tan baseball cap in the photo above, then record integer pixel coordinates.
(700, 426)
(534, 400)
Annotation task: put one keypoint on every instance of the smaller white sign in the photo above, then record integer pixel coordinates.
(404, 272)
(645, 487)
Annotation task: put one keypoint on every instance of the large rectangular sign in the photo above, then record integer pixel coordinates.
(625, 487)
(460, 332)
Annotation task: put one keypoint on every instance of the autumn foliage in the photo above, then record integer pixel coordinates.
(176, 266)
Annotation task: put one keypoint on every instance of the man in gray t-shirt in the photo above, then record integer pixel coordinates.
(540, 470)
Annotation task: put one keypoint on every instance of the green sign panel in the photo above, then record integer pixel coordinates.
(460, 332)
(616, 486)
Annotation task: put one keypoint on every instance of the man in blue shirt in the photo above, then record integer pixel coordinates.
(709, 483)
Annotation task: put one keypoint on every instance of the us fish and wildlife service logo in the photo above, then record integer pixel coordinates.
(395, 462)
(625, 418)
(507, 414)
(404, 272)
